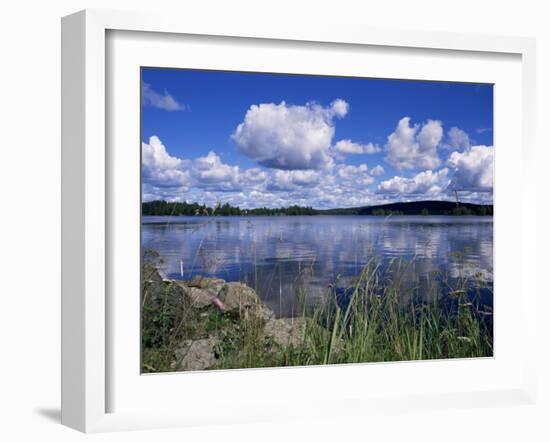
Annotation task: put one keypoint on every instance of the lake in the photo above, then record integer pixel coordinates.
(284, 256)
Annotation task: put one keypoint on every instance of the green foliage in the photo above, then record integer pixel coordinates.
(461, 210)
(163, 208)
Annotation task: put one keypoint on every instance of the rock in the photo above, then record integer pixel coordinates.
(212, 284)
(196, 355)
(150, 273)
(198, 298)
(165, 293)
(286, 331)
(158, 291)
(240, 298)
(237, 296)
(263, 312)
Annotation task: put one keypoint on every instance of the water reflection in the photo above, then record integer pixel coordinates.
(284, 257)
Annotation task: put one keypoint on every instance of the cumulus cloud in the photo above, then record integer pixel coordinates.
(211, 173)
(414, 147)
(289, 137)
(346, 171)
(356, 174)
(457, 139)
(159, 168)
(207, 179)
(473, 169)
(165, 101)
(377, 171)
(348, 147)
(292, 179)
(339, 108)
(253, 176)
(424, 183)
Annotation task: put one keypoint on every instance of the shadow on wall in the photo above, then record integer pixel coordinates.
(51, 414)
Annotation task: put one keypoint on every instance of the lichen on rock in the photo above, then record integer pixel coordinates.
(199, 298)
(150, 273)
(238, 297)
(214, 285)
(196, 354)
(286, 331)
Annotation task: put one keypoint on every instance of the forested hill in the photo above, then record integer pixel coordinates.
(164, 208)
(417, 208)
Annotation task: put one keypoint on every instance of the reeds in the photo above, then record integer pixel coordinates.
(380, 317)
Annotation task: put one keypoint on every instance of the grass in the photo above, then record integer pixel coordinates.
(379, 318)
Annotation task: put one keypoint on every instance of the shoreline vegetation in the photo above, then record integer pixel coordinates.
(164, 208)
(207, 323)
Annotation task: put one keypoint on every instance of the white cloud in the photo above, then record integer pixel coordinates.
(346, 171)
(303, 177)
(207, 179)
(253, 176)
(377, 171)
(355, 175)
(289, 137)
(339, 107)
(411, 148)
(457, 139)
(211, 173)
(150, 97)
(349, 147)
(473, 169)
(481, 130)
(430, 135)
(292, 179)
(159, 168)
(423, 183)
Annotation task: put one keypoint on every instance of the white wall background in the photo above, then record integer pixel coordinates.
(30, 215)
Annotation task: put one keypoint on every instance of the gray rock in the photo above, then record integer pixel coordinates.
(240, 298)
(263, 312)
(150, 273)
(212, 284)
(165, 293)
(198, 298)
(237, 296)
(196, 355)
(286, 331)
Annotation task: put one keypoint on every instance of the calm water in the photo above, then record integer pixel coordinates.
(280, 256)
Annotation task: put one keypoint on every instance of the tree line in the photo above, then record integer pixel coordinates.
(165, 208)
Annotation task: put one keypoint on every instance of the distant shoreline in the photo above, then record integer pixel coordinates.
(447, 208)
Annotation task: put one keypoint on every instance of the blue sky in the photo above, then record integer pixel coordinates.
(255, 139)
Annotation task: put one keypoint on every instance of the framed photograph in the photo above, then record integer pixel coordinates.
(276, 220)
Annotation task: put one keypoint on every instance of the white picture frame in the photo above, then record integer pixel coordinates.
(86, 315)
